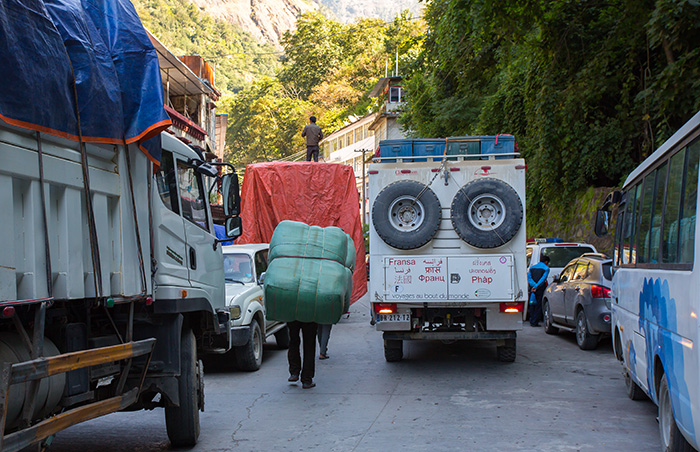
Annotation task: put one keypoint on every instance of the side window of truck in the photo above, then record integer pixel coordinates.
(260, 262)
(194, 206)
(165, 180)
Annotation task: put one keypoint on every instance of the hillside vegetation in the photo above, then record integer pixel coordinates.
(186, 30)
(588, 88)
(327, 70)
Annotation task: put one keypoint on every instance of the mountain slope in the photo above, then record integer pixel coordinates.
(268, 19)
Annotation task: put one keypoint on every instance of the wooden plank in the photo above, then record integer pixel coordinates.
(19, 440)
(45, 367)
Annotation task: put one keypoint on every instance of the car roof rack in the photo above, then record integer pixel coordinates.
(601, 256)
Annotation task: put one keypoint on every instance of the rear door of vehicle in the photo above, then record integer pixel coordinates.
(574, 288)
(558, 292)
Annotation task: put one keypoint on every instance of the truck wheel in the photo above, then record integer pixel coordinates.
(634, 392)
(182, 422)
(486, 213)
(406, 214)
(548, 328)
(282, 338)
(671, 437)
(584, 338)
(393, 350)
(249, 356)
(506, 353)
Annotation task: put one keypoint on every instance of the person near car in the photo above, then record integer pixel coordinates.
(324, 333)
(313, 134)
(296, 368)
(537, 280)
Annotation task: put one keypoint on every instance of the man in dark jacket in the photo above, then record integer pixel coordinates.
(313, 134)
(537, 281)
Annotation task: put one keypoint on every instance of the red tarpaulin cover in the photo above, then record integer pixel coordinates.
(318, 194)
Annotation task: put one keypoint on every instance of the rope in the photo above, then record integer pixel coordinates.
(49, 279)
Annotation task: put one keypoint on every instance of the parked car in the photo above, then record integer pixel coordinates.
(559, 253)
(244, 269)
(579, 300)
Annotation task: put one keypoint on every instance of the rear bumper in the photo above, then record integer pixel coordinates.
(449, 335)
(596, 313)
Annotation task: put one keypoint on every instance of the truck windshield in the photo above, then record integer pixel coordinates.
(559, 256)
(238, 268)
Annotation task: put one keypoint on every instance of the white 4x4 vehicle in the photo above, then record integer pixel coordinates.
(244, 267)
(559, 253)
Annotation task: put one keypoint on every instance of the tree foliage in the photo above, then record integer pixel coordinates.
(185, 30)
(588, 88)
(327, 70)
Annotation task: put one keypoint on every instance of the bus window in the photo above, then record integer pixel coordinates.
(673, 209)
(629, 255)
(645, 218)
(690, 196)
(655, 233)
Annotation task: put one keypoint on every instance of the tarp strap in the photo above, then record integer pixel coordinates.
(94, 249)
(142, 267)
(47, 250)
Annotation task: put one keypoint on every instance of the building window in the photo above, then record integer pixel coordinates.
(395, 94)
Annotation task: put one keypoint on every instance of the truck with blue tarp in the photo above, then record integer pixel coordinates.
(447, 241)
(111, 277)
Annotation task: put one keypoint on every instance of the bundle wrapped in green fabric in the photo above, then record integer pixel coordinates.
(309, 277)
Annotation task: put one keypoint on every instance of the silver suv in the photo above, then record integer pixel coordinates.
(579, 300)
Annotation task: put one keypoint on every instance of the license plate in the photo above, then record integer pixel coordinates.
(405, 317)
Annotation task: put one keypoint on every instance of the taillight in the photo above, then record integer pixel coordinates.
(385, 308)
(511, 307)
(600, 291)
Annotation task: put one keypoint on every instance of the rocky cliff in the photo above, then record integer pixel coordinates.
(267, 20)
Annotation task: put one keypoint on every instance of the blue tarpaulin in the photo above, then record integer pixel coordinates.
(80, 69)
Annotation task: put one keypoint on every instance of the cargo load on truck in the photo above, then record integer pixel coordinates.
(309, 278)
(317, 194)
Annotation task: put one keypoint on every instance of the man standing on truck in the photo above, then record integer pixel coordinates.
(537, 279)
(313, 134)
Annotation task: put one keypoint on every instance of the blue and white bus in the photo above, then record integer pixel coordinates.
(656, 285)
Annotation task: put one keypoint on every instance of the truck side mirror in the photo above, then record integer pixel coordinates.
(602, 222)
(231, 198)
(234, 227)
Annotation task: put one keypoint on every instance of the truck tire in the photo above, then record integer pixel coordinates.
(182, 422)
(406, 214)
(393, 350)
(506, 352)
(486, 213)
(672, 439)
(282, 338)
(249, 356)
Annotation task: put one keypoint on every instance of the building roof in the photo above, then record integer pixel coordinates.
(383, 83)
(182, 80)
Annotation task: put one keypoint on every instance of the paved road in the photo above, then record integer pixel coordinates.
(441, 397)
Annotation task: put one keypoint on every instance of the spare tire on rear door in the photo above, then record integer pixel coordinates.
(406, 214)
(487, 213)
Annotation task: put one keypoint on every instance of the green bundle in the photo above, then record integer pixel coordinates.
(309, 277)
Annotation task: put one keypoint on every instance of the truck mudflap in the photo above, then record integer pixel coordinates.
(449, 335)
(35, 370)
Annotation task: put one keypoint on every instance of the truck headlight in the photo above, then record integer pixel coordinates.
(235, 312)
